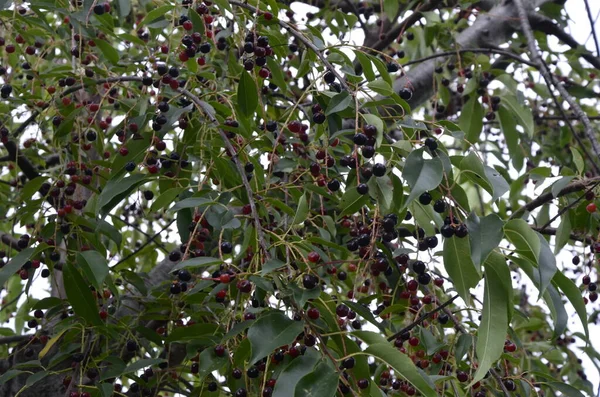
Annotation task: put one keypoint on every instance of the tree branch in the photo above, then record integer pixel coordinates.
(422, 318)
(548, 197)
(545, 25)
(551, 81)
(551, 231)
(592, 26)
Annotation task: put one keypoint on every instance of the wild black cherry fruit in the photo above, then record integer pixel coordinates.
(462, 376)
(360, 139)
(309, 281)
(461, 231)
(405, 93)
(379, 170)
(174, 256)
(131, 345)
(439, 206)
(212, 386)
(425, 198)
(419, 267)
(362, 189)
(424, 278)
(333, 185)
(252, 372)
(443, 318)
(363, 383)
(314, 257)
(329, 78)
(432, 241)
(318, 118)
(447, 231)
(313, 313)
(226, 247)
(220, 350)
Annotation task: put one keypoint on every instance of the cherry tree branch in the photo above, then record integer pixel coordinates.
(551, 81)
(422, 318)
(592, 26)
(547, 26)
(545, 198)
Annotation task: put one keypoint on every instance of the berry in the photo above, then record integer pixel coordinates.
(333, 185)
(309, 281)
(439, 206)
(431, 144)
(313, 313)
(348, 363)
(329, 78)
(360, 139)
(226, 247)
(425, 198)
(362, 189)
(591, 208)
(220, 350)
(363, 383)
(314, 257)
(462, 376)
(379, 170)
(405, 93)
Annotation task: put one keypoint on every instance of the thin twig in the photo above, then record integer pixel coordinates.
(298, 35)
(422, 318)
(592, 26)
(490, 50)
(141, 247)
(551, 81)
(14, 339)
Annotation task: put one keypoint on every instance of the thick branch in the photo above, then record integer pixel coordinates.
(489, 30)
(551, 231)
(548, 197)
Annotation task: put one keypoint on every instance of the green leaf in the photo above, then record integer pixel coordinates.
(421, 174)
(301, 211)
(508, 126)
(141, 364)
(271, 331)
(247, 94)
(157, 13)
(566, 389)
(403, 366)
(165, 199)
(116, 190)
(551, 296)
(561, 184)
(111, 54)
(195, 331)
(352, 201)
(525, 240)
(484, 235)
(381, 87)
(521, 113)
(471, 119)
(563, 233)
(497, 297)
(577, 159)
(546, 264)
(201, 261)
(484, 176)
(15, 264)
(294, 371)
(94, 266)
(382, 190)
(322, 382)
(460, 267)
(339, 103)
(124, 8)
(391, 8)
(192, 202)
(80, 296)
(572, 292)
(270, 265)
(367, 66)
(31, 187)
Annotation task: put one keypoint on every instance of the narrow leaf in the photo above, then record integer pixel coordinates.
(247, 94)
(80, 296)
(494, 319)
(460, 267)
(484, 235)
(271, 331)
(301, 211)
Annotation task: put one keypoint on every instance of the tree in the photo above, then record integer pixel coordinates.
(226, 198)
